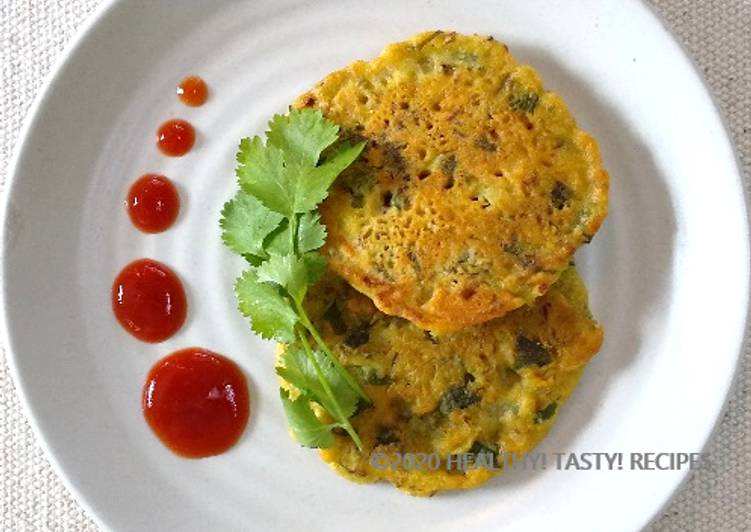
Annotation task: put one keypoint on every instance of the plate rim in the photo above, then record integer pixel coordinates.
(11, 176)
(21, 147)
(745, 342)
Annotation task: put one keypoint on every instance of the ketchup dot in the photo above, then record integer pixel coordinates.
(175, 137)
(196, 402)
(148, 300)
(193, 91)
(153, 203)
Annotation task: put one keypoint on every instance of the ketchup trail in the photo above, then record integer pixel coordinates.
(149, 300)
(193, 91)
(196, 402)
(153, 203)
(175, 137)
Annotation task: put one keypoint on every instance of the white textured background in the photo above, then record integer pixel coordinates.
(718, 35)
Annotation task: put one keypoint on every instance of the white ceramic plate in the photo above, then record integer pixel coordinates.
(668, 273)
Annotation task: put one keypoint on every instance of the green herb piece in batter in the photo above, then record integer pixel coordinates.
(386, 436)
(273, 222)
(357, 337)
(457, 398)
(546, 413)
(333, 315)
(530, 352)
(490, 450)
(526, 102)
(560, 195)
(448, 165)
(370, 375)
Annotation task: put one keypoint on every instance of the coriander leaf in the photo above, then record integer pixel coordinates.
(273, 222)
(307, 428)
(283, 174)
(299, 371)
(311, 233)
(245, 223)
(315, 183)
(277, 243)
(270, 314)
(261, 172)
(315, 265)
(288, 271)
(253, 260)
(302, 135)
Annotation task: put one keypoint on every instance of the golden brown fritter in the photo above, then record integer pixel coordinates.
(474, 189)
(494, 387)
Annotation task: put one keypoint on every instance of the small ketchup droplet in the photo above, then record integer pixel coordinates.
(175, 137)
(196, 402)
(193, 91)
(153, 203)
(149, 301)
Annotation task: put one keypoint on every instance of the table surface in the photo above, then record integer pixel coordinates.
(715, 32)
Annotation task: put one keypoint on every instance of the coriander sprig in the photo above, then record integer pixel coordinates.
(273, 222)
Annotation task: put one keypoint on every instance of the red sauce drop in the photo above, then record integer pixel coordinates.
(149, 300)
(153, 203)
(175, 137)
(193, 91)
(196, 402)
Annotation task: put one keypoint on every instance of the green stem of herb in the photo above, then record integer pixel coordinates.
(293, 234)
(346, 375)
(343, 421)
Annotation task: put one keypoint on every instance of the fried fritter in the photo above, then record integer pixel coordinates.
(493, 388)
(475, 186)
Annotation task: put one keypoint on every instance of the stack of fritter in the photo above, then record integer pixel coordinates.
(451, 293)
